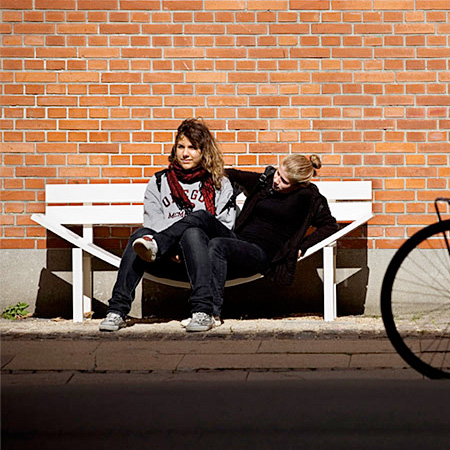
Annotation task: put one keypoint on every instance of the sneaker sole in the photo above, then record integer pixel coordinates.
(199, 328)
(110, 327)
(143, 252)
(185, 322)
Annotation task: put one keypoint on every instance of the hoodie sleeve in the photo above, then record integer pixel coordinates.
(153, 211)
(225, 209)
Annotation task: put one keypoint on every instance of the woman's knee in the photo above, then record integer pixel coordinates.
(192, 236)
(140, 232)
(217, 247)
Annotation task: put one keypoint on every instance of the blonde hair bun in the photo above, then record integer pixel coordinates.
(315, 161)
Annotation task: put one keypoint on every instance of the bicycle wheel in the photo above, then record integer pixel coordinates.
(415, 300)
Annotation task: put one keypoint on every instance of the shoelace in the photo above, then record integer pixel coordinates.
(201, 317)
(115, 318)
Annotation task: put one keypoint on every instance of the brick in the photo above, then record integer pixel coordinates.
(146, 5)
(272, 147)
(99, 148)
(57, 101)
(16, 147)
(310, 4)
(269, 5)
(433, 100)
(284, 28)
(393, 147)
(70, 172)
(16, 243)
(43, 172)
(141, 148)
(122, 172)
(34, 28)
(54, 4)
(432, 4)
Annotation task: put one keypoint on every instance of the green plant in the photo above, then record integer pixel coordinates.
(18, 311)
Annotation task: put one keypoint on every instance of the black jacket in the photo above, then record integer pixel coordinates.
(283, 265)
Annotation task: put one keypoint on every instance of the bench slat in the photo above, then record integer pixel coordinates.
(97, 215)
(95, 193)
(336, 236)
(134, 192)
(349, 211)
(345, 190)
(133, 214)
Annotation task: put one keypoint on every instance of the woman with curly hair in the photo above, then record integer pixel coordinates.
(194, 182)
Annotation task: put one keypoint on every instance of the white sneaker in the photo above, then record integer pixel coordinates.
(146, 248)
(112, 322)
(200, 322)
(184, 323)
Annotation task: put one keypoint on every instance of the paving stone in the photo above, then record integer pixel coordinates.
(325, 374)
(377, 361)
(346, 346)
(266, 361)
(183, 346)
(135, 359)
(50, 355)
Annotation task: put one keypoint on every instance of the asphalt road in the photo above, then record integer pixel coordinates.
(301, 414)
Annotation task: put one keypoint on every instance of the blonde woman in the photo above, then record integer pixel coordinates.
(271, 231)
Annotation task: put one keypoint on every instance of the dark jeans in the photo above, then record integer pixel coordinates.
(190, 234)
(233, 258)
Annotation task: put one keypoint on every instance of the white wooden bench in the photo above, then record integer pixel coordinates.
(122, 204)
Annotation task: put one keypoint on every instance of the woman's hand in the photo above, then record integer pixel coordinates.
(176, 258)
(299, 253)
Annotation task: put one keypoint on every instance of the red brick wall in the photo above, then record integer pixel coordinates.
(93, 90)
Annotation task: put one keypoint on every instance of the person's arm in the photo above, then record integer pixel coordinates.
(323, 222)
(225, 212)
(153, 210)
(246, 180)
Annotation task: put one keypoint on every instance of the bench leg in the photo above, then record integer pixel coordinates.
(77, 284)
(88, 234)
(329, 283)
(87, 283)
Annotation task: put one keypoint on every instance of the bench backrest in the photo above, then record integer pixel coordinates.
(97, 204)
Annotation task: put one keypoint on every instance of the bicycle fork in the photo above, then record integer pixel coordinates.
(445, 200)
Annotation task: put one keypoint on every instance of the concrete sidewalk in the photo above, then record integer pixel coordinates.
(59, 351)
(268, 384)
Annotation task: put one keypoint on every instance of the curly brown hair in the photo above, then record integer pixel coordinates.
(200, 137)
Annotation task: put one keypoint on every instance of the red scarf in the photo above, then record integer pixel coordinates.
(175, 174)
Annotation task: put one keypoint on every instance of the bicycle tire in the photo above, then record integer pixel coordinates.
(415, 301)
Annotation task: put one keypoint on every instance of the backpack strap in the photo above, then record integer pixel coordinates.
(158, 176)
(231, 203)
